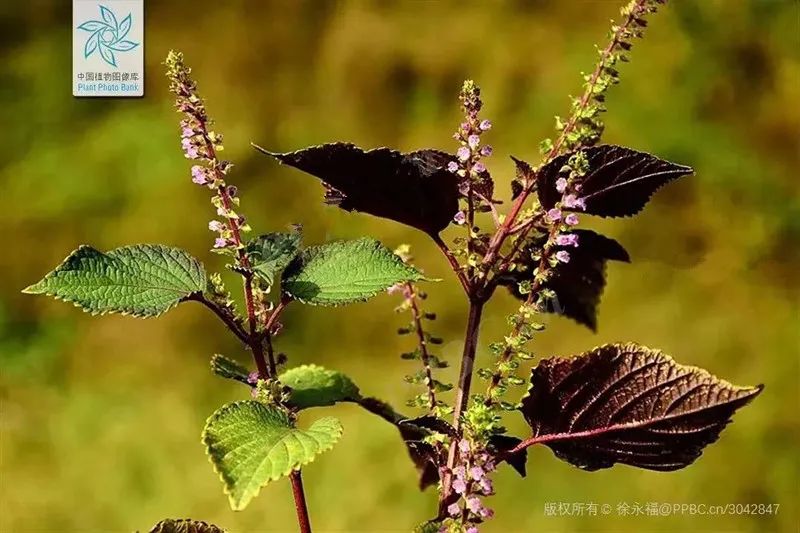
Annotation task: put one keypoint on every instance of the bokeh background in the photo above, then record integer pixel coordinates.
(100, 417)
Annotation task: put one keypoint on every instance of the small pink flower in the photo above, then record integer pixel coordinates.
(216, 225)
(485, 125)
(554, 214)
(486, 486)
(561, 185)
(474, 504)
(463, 153)
(199, 175)
(460, 472)
(397, 288)
(463, 445)
(476, 473)
(452, 166)
(562, 256)
(567, 239)
(472, 529)
(572, 202)
(460, 218)
(479, 168)
(186, 132)
(219, 242)
(486, 151)
(459, 486)
(572, 219)
(473, 141)
(252, 378)
(454, 509)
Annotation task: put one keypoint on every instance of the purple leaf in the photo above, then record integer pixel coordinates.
(624, 403)
(414, 188)
(579, 283)
(500, 444)
(619, 181)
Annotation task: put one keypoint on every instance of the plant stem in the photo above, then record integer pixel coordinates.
(504, 230)
(411, 297)
(464, 383)
(300, 501)
(229, 321)
(453, 262)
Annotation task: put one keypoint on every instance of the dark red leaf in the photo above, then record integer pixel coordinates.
(524, 174)
(619, 181)
(432, 423)
(624, 403)
(499, 445)
(579, 283)
(185, 525)
(414, 188)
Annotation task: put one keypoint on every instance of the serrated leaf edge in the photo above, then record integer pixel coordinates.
(339, 431)
(369, 294)
(31, 289)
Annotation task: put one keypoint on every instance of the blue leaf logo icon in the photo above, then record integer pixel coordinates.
(107, 36)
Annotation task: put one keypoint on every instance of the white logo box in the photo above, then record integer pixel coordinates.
(108, 48)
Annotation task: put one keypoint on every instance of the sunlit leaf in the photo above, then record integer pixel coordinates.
(142, 280)
(413, 188)
(624, 403)
(269, 254)
(315, 386)
(619, 181)
(251, 444)
(342, 272)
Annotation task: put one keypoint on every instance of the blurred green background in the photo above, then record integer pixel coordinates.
(100, 417)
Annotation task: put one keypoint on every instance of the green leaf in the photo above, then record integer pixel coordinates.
(142, 280)
(228, 368)
(251, 444)
(185, 525)
(315, 386)
(269, 254)
(343, 272)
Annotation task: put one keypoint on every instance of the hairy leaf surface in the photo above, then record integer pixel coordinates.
(579, 283)
(185, 525)
(251, 444)
(228, 368)
(269, 254)
(413, 188)
(619, 181)
(343, 272)
(142, 280)
(315, 386)
(624, 403)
